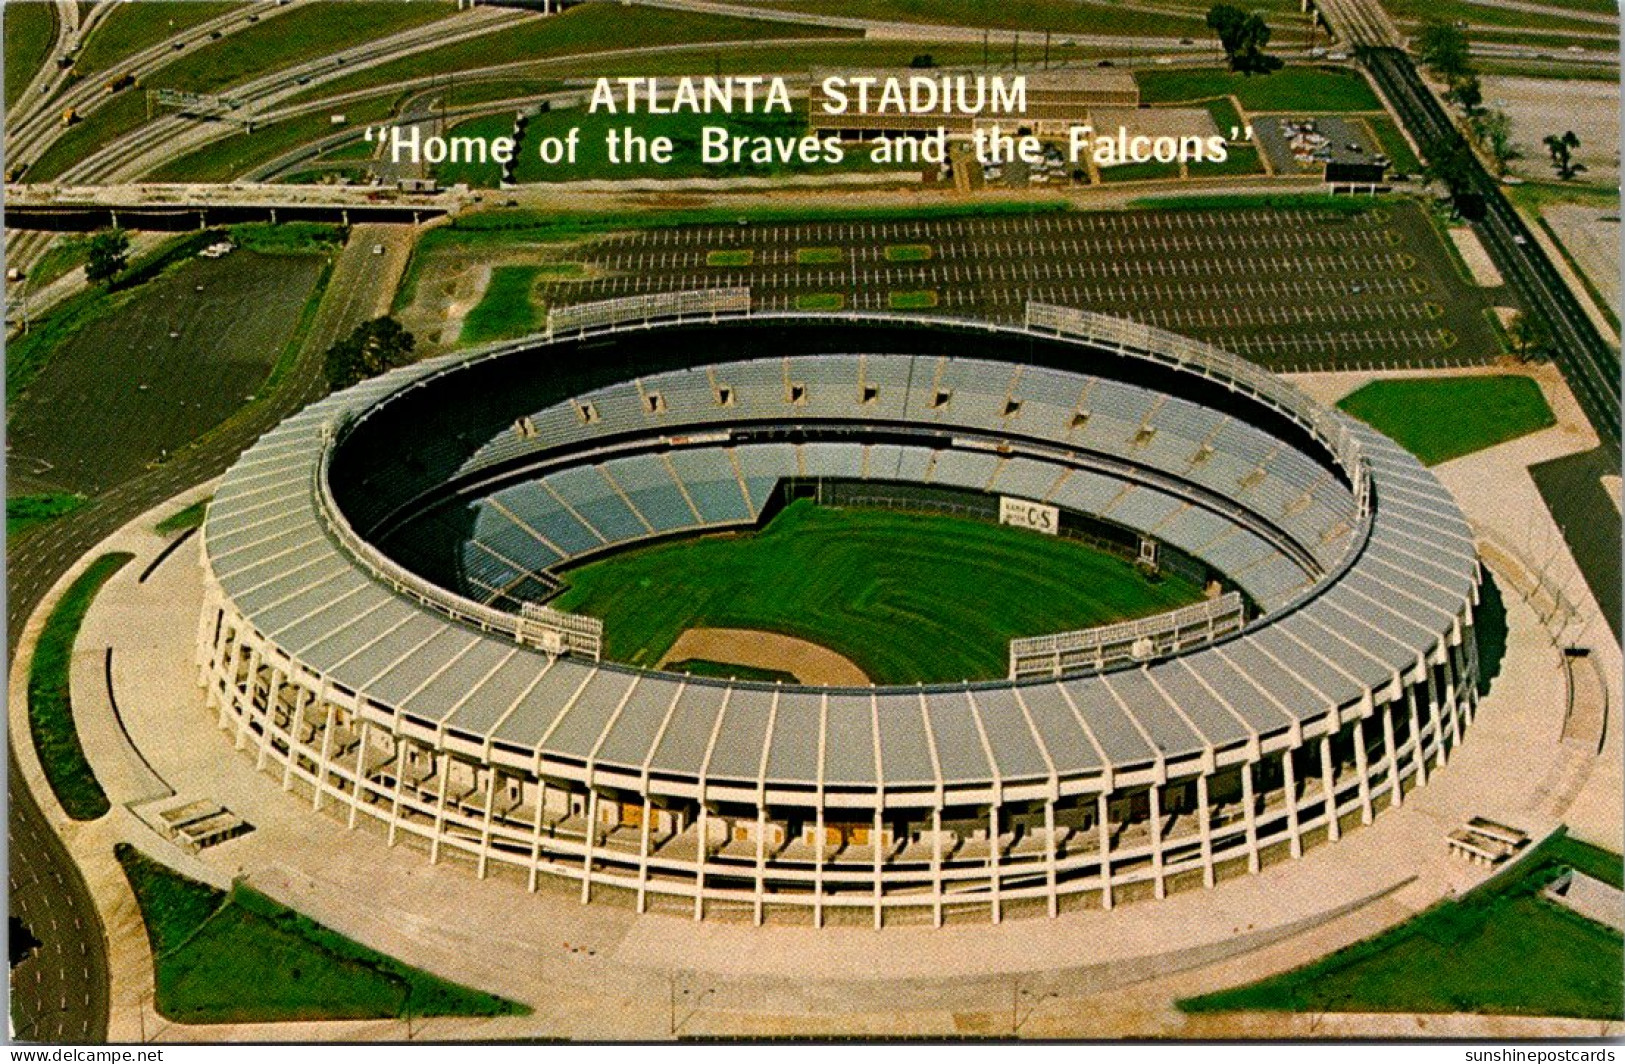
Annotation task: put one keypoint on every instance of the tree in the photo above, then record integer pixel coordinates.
(1494, 129)
(923, 61)
(374, 347)
(1466, 92)
(1443, 50)
(1243, 37)
(1528, 335)
(1449, 162)
(1562, 149)
(109, 254)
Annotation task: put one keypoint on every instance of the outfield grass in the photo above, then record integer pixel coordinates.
(50, 706)
(741, 257)
(907, 597)
(1440, 418)
(188, 517)
(507, 307)
(27, 511)
(132, 28)
(1500, 950)
(243, 958)
(1309, 89)
(30, 27)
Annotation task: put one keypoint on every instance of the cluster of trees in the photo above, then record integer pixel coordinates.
(373, 348)
(1243, 36)
(1443, 49)
(108, 254)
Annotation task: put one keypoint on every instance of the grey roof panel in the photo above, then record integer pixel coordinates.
(849, 743)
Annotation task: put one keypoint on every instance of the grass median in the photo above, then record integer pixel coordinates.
(50, 703)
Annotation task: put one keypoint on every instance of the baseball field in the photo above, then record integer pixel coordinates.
(909, 598)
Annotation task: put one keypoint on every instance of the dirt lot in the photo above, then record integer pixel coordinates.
(184, 353)
(1541, 106)
(1592, 237)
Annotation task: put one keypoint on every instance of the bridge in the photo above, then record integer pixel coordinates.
(82, 208)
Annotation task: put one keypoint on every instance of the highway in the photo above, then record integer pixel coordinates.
(60, 994)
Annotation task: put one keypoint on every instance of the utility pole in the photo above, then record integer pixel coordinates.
(1046, 49)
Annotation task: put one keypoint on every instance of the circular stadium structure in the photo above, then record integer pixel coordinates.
(376, 628)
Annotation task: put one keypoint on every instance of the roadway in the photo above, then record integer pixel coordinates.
(60, 993)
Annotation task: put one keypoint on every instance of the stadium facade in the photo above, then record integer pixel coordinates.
(371, 631)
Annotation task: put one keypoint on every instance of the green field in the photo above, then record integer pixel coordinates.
(1501, 950)
(923, 299)
(132, 28)
(907, 597)
(243, 958)
(1147, 171)
(187, 517)
(907, 252)
(234, 154)
(30, 27)
(1394, 144)
(50, 708)
(26, 511)
(739, 257)
(820, 301)
(1242, 159)
(1294, 88)
(507, 308)
(1440, 418)
(1058, 16)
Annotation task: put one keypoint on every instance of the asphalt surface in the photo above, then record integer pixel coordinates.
(60, 993)
(1572, 488)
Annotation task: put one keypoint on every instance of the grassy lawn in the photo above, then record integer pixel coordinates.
(743, 257)
(507, 308)
(1500, 950)
(924, 299)
(243, 958)
(1254, 201)
(236, 153)
(1243, 159)
(68, 253)
(1059, 16)
(820, 301)
(292, 38)
(26, 511)
(183, 519)
(722, 670)
(1440, 418)
(820, 256)
(50, 708)
(30, 27)
(287, 238)
(132, 28)
(908, 597)
(1148, 171)
(107, 123)
(580, 30)
(908, 252)
(1292, 88)
(1488, 15)
(1393, 143)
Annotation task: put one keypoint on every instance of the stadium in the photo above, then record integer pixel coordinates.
(382, 624)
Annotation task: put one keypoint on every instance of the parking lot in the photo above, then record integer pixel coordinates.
(1293, 289)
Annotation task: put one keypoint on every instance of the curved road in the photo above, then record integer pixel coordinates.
(60, 993)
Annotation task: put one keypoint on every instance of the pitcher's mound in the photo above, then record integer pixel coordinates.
(808, 662)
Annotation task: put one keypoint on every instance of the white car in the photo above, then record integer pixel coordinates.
(378, 249)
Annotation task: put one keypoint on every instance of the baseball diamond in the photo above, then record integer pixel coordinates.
(375, 564)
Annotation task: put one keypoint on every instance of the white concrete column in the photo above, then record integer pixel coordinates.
(993, 859)
(294, 734)
(1158, 885)
(1103, 829)
(1418, 754)
(761, 862)
(268, 725)
(244, 696)
(1362, 766)
(485, 824)
(1204, 824)
(1328, 786)
(1050, 872)
(325, 762)
(358, 789)
(1294, 837)
(702, 853)
(643, 856)
(818, 864)
(443, 767)
(1390, 752)
(591, 836)
(879, 856)
(936, 866)
(1249, 812)
(401, 748)
(536, 833)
